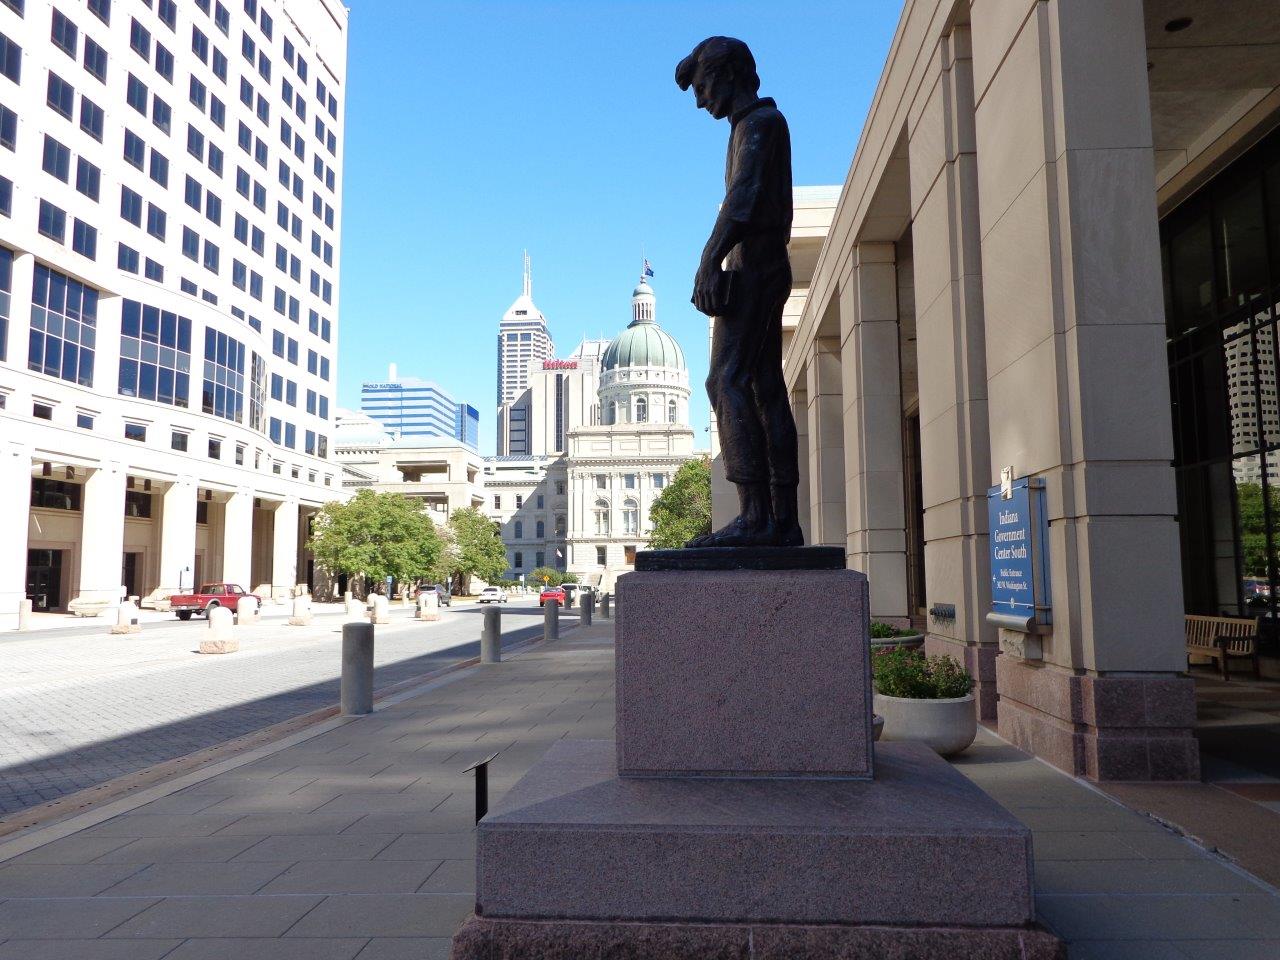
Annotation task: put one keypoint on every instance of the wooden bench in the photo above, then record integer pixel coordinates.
(1220, 638)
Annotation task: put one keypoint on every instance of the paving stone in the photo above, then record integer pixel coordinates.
(26, 880)
(1128, 877)
(293, 848)
(204, 880)
(216, 916)
(428, 846)
(396, 915)
(87, 949)
(274, 824)
(178, 850)
(244, 948)
(1160, 917)
(163, 825)
(452, 876)
(76, 848)
(353, 876)
(430, 948)
(69, 919)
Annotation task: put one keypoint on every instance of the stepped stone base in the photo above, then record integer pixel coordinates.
(483, 938)
(918, 846)
(219, 646)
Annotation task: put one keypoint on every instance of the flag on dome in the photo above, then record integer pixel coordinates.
(648, 270)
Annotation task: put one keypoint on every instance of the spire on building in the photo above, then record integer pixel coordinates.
(528, 276)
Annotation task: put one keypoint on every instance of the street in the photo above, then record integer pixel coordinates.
(80, 707)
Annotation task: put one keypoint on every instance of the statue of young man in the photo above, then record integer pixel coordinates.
(746, 297)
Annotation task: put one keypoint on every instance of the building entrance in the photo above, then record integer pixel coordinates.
(44, 579)
(129, 574)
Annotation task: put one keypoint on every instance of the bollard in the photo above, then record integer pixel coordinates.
(301, 611)
(127, 619)
(587, 606)
(379, 609)
(356, 692)
(428, 605)
(354, 607)
(605, 613)
(247, 610)
(551, 620)
(222, 636)
(491, 638)
(481, 767)
(24, 614)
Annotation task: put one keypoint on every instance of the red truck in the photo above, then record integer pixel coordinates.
(209, 595)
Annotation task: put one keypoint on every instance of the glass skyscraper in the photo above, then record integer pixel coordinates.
(409, 407)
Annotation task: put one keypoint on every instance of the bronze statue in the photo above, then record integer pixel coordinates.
(746, 297)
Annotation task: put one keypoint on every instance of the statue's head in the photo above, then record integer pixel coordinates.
(720, 70)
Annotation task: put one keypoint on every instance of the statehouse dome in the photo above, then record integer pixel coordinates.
(643, 343)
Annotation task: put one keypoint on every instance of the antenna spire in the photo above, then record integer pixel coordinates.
(528, 276)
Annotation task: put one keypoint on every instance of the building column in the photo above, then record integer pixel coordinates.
(876, 523)
(177, 538)
(284, 554)
(1078, 381)
(951, 361)
(237, 538)
(800, 413)
(825, 414)
(101, 540)
(15, 508)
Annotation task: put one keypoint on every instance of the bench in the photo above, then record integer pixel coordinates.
(1220, 638)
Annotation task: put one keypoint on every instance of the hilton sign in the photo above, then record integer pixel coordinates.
(559, 364)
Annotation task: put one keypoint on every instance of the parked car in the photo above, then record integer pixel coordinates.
(551, 593)
(209, 595)
(493, 595)
(442, 593)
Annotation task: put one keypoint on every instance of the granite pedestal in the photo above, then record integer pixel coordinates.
(736, 815)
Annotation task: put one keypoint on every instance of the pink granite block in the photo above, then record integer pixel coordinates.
(482, 938)
(919, 845)
(744, 673)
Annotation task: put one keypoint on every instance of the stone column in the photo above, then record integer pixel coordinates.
(825, 416)
(101, 540)
(1078, 381)
(237, 538)
(876, 524)
(284, 555)
(177, 535)
(15, 481)
(800, 412)
(951, 360)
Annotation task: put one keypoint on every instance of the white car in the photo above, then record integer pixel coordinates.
(492, 595)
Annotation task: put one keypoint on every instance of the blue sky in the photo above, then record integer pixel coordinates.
(476, 130)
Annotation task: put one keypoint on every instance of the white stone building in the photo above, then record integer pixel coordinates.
(169, 246)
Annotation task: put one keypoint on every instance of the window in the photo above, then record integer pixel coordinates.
(164, 62)
(630, 517)
(642, 410)
(64, 34)
(223, 376)
(6, 291)
(64, 321)
(519, 500)
(92, 119)
(602, 555)
(154, 271)
(602, 518)
(519, 530)
(10, 59)
(8, 128)
(190, 244)
(497, 501)
(135, 150)
(671, 411)
(101, 9)
(155, 354)
(61, 95)
(135, 431)
(156, 220)
(42, 411)
(95, 60)
(629, 480)
(602, 481)
(519, 559)
(218, 112)
(212, 256)
(195, 143)
(541, 532)
(220, 65)
(57, 159)
(178, 441)
(140, 40)
(84, 421)
(84, 239)
(6, 205)
(215, 449)
(161, 114)
(159, 168)
(127, 258)
(52, 222)
(200, 44)
(136, 95)
(659, 481)
(167, 10)
(55, 494)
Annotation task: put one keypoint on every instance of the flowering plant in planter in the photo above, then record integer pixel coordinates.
(927, 699)
(910, 674)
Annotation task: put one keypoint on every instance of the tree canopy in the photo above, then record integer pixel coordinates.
(683, 509)
(379, 535)
(549, 577)
(477, 548)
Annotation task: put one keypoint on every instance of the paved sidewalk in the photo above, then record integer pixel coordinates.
(356, 840)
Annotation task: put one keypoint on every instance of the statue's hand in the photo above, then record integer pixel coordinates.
(708, 290)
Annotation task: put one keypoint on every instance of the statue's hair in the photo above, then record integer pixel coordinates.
(714, 52)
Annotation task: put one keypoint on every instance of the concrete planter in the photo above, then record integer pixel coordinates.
(908, 641)
(948, 726)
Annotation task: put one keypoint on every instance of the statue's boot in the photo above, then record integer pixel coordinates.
(750, 528)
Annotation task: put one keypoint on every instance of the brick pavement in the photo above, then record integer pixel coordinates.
(80, 708)
(357, 841)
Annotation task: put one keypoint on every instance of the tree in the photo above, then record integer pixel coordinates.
(683, 509)
(379, 535)
(545, 577)
(477, 547)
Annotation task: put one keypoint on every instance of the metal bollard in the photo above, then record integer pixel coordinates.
(356, 693)
(587, 606)
(605, 613)
(551, 620)
(491, 638)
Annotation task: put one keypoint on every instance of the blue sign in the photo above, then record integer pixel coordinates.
(1019, 541)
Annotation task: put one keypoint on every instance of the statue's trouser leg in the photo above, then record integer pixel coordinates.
(742, 439)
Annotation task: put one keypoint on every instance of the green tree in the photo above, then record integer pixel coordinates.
(477, 547)
(1253, 526)
(683, 509)
(379, 535)
(545, 577)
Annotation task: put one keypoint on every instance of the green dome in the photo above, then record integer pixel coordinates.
(643, 344)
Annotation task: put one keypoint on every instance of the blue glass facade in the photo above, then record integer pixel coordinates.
(419, 408)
